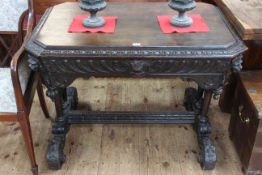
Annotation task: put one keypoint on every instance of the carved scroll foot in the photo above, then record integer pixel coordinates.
(207, 157)
(71, 99)
(207, 154)
(55, 154)
(193, 99)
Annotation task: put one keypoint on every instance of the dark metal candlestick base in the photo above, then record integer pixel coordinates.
(182, 20)
(93, 6)
(93, 22)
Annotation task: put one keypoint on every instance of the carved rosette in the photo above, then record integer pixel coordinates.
(138, 66)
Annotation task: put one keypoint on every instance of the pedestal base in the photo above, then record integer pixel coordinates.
(93, 22)
(195, 105)
(184, 21)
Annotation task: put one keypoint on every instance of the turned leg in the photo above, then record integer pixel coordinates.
(203, 129)
(27, 134)
(65, 99)
(193, 99)
(55, 155)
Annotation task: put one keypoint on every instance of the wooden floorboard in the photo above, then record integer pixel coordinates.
(122, 149)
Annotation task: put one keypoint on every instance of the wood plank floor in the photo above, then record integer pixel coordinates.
(122, 149)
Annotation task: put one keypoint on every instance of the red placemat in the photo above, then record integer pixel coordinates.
(199, 25)
(77, 27)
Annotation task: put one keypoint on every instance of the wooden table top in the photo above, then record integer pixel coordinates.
(136, 23)
(245, 16)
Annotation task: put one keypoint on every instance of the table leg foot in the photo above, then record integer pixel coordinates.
(208, 156)
(193, 99)
(55, 154)
(65, 99)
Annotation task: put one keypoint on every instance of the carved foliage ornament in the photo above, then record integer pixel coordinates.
(237, 63)
(208, 73)
(136, 67)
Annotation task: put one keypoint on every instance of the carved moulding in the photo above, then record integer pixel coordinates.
(137, 66)
(38, 49)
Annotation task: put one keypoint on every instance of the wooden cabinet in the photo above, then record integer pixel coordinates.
(245, 124)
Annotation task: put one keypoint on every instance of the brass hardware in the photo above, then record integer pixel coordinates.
(241, 116)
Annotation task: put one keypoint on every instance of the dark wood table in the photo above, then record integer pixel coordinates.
(138, 48)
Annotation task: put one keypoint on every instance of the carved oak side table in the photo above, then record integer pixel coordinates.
(138, 48)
